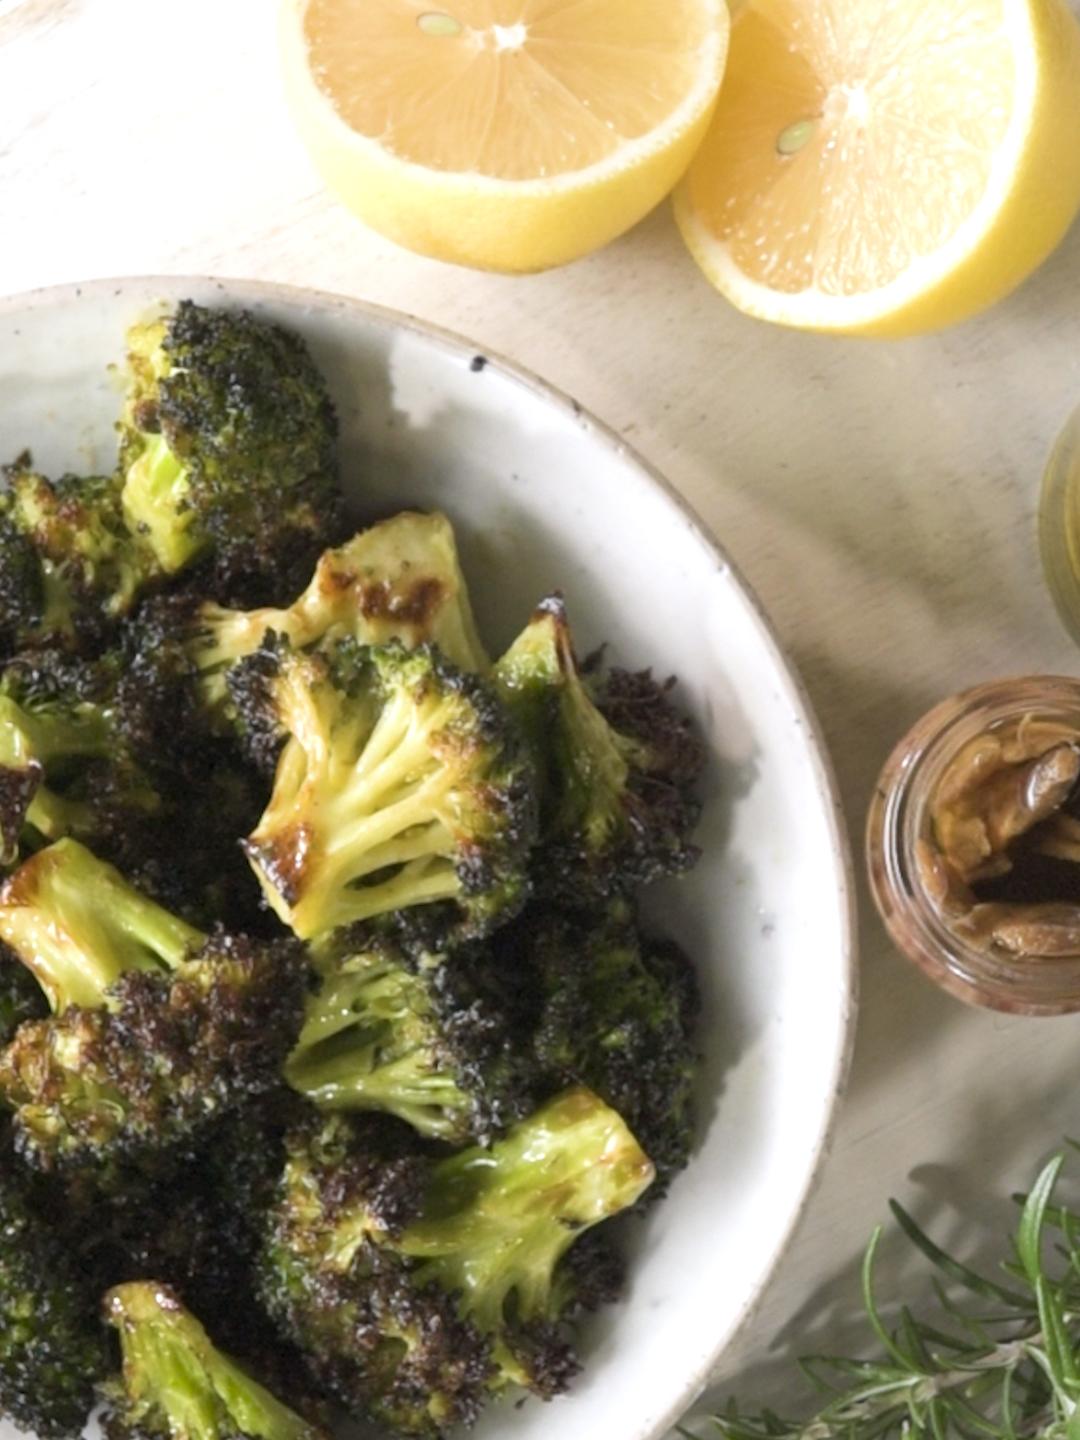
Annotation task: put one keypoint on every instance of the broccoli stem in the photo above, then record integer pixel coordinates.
(154, 497)
(78, 925)
(30, 742)
(354, 1078)
(180, 1384)
(343, 1059)
(27, 735)
(496, 1222)
(417, 883)
(55, 816)
(383, 815)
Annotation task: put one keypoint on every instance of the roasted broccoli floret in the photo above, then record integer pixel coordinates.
(188, 856)
(228, 452)
(617, 762)
(398, 580)
(53, 1351)
(157, 1028)
(400, 782)
(177, 1385)
(22, 586)
(193, 1219)
(67, 764)
(434, 1045)
(417, 1287)
(71, 567)
(615, 1012)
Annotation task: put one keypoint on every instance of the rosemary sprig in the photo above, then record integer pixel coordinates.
(1001, 1363)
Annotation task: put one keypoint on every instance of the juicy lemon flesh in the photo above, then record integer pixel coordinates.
(881, 166)
(507, 135)
(886, 166)
(512, 89)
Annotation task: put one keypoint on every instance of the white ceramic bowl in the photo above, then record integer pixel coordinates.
(543, 497)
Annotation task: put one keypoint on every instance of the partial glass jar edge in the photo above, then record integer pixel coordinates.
(1059, 525)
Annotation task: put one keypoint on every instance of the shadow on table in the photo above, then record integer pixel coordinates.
(967, 1210)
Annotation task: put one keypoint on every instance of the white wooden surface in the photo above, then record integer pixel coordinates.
(879, 497)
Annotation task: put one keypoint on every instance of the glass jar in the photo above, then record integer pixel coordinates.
(1059, 525)
(899, 823)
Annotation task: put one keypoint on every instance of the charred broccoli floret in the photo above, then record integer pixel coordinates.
(400, 782)
(617, 765)
(228, 451)
(53, 1351)
(617, 1013)
(71, 567)
(22, 586)
(177, 1385)
(434, 1045)
(398, 580)
(156, 1028)
(194, 1220)
(67, 764)
(418, 1287)
(187, 857)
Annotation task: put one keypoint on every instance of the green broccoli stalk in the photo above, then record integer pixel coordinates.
(435, 1047)
(78, 926)
(418, 1287)
(72, 569)
(53, 1352)
(400, 783)
(227, 450)
(617, 766)
(157, 1028)
(398, 580)
(177, 1385)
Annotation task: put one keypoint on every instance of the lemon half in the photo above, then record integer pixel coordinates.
(886, 166)
(506, 134)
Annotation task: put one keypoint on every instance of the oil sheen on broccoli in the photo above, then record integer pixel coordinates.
(432, 1043)
(176, 1385)
(418, 1287)
(156, 1027)
(228, 451)
(400, 783)
(617, 762)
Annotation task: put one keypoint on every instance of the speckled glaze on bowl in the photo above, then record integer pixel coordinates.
(544, 497)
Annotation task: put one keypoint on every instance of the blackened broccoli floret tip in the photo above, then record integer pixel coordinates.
(617, 1014)
(53, 1352)
(250, 688)
(172, 1052)
(241, 482)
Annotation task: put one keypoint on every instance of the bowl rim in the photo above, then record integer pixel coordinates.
(793, 691)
